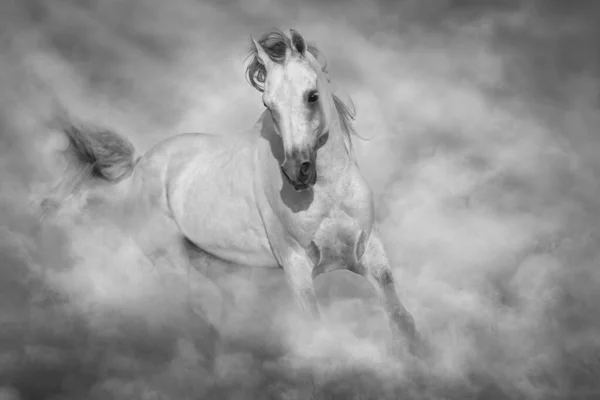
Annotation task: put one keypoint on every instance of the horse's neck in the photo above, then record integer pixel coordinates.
(335, 155)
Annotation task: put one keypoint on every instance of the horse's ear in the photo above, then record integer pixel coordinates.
(261, 54)
(298, 42)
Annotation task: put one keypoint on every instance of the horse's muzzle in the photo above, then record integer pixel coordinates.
(300, 172)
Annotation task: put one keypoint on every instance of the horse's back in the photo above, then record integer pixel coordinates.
(148, 187)
(176, 151)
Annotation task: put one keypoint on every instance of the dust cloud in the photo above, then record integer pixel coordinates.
(484, 160)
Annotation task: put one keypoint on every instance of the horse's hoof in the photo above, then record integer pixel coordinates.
(49, 206)
(405, 348)
(401, 349)
(419, 348)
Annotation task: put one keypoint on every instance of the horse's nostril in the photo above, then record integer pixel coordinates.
(305, 167)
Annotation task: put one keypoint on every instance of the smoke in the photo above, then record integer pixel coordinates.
(484, 118)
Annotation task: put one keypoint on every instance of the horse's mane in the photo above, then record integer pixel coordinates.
(275, 44)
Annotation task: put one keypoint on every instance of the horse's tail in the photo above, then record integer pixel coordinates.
(92, 153)
(105, 154)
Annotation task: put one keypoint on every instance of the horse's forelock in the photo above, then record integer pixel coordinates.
(275, 43)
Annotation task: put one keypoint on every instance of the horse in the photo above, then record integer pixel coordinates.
(286, 193)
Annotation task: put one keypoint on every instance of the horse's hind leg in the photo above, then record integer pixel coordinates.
(221, 273)
(180, 280)
(230, 300)
(375, 268)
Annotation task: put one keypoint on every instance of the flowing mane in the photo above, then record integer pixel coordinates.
(275, 44)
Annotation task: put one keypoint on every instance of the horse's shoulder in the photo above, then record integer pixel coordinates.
(354, 186)
(357, 197)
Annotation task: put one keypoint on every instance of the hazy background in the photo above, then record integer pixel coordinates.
(484, 161)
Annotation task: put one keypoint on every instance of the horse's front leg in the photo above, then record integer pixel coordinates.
(298, 269)
(374, 266)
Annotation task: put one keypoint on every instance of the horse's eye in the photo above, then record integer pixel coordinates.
(323, 139)
(313, 96)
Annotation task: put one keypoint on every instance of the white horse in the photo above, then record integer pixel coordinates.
(286, 194)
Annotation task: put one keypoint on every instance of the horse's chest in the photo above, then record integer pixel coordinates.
(303, 226)
(330, 233)
(339, 240)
